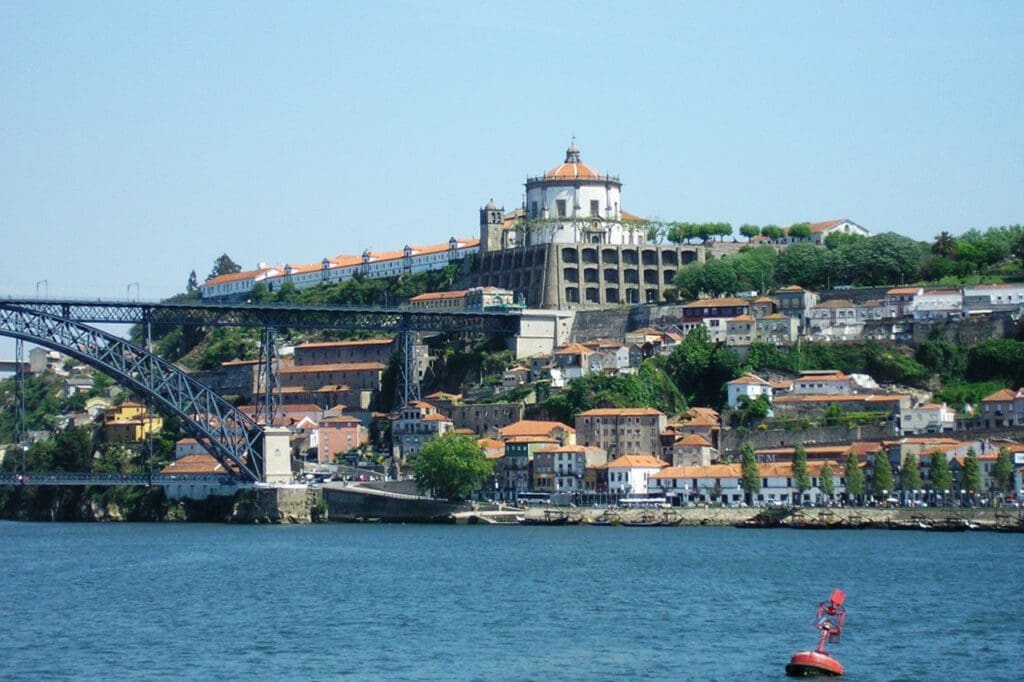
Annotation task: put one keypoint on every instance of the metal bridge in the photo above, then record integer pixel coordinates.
(232, 437)
(67, 478)
(277, 315)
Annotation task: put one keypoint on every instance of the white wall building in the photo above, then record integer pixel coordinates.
(938, 304)
(819, 231)
(749, 385)
(930, 418)
(409, 260)
(629, 474)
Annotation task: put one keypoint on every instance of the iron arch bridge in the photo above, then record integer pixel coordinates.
(231, 436)
(234, 438)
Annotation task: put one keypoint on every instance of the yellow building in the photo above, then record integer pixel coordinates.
(129, 423)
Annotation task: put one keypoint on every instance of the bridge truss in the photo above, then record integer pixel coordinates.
(232, 437)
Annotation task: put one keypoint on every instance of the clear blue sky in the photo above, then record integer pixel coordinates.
(141, 140)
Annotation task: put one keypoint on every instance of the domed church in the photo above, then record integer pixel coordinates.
(571, 245)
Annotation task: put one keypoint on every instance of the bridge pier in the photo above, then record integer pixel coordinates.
(277, 455)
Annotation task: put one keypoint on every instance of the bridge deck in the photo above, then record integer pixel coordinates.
(192, 313)
(71, 478)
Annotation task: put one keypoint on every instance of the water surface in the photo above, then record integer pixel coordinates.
(128, 601)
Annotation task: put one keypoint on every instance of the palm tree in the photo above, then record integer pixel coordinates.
(945, 245)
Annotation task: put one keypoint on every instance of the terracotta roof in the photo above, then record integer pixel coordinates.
(635, 461)
(530, 427)
(717, 302)
(195, 464)
(1000, 396)
(699, 420)
(334, 367)
(575, 349)
(792, 287)
(441, 395)
(237, 276)
(562, 448)
(621, 412)
(572, 171)
(436, 418)
(345, 344)
(827, 225)
(438, 296)
(903, 291)
(838, 303)
(530, 439)
(693, 440)
(749, 378)
(838, 376)
(709, 471)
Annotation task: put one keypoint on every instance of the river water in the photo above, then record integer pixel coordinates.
(130, 601)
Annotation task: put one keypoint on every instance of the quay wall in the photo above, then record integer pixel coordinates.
(348, 503)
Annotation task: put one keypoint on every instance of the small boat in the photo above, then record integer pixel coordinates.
(605, 520)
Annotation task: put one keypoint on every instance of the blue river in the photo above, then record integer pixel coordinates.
(393, 602)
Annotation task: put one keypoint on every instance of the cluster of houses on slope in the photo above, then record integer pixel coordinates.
(793, 313)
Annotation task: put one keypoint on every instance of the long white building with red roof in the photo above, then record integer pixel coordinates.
(373, 264)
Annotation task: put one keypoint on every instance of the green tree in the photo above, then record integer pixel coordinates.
(944, 245)
(881, 474)
(700, 368)
(223, 266)
(1003, 471)
(805, 265)
(1018, 249)
(854, 477)
(910, 473)
(451, 466)
(751, 477)
(939, 473)
(800, 231)
(750, 231)
(801, 479)
(827, 482)
(193, 283)
(773, 232)
(972, 482)
(833, 415)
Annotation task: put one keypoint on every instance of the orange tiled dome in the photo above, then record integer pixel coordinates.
(572, 169)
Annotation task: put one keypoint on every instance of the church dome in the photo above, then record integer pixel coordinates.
(492, 205)
(572, 168)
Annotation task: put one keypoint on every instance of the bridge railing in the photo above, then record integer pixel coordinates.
(72, 478)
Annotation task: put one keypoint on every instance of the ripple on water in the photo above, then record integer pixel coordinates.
(430, 602)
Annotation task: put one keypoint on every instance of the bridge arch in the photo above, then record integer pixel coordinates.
(231, 436)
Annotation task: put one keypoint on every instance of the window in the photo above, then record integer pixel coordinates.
(594, 210)
(533, 209)
(560, 207)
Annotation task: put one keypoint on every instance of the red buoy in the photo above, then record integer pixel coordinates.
(831, 615)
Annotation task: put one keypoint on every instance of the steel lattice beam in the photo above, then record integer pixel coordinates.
(275, 315)
(230, 436)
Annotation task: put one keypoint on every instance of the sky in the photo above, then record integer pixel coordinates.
(139, 141)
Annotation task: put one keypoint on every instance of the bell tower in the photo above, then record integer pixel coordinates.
(491, 225)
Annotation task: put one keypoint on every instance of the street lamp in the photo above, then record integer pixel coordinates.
(945, 498)
(128, 295)
(46, 287)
